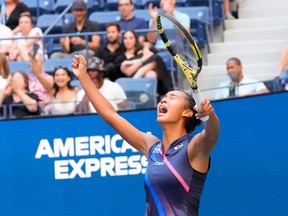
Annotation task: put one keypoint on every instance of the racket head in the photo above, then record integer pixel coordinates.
(182, 46)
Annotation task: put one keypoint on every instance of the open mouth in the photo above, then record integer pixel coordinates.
(162, 109)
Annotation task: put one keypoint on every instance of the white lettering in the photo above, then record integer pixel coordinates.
(44, 148)
(82, 146)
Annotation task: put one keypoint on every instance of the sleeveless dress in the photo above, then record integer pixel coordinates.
(172, 186)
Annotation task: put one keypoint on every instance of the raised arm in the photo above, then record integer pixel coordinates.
(203, 143)
(139, 140)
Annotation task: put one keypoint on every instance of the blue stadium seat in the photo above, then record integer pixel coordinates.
(110, 5)
(215, 7)
(142, 13)
(45, 20)
(145, 4)
(51, 64)
(141, 91)
(104, 17)
(167, 58)
(39, 7)
(61, 5)
(19, 66)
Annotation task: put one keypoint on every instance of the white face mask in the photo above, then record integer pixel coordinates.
(233, 76)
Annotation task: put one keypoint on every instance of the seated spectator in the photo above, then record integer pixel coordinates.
(63, 100)
(140, 61)
(168, 6)
(17, 95)
(76, 45)
(112, 91)
(4, 71)
(129, 21)
(238, 85)
(143, 61)
(21, 48)
(5, 44)
(112, 51)
(13, 10)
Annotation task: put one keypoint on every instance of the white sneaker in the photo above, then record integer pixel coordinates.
(229, 16)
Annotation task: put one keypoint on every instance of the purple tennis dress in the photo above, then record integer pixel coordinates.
(172, 186)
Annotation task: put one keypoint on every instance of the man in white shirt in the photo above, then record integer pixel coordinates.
(238, 85)
(110, 90)
(5, 44)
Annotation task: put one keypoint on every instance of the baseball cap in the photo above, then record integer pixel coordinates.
(95, 63)
(79, 5)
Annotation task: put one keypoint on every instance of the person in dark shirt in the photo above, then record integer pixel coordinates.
(17, 99)
(13, 10)
(112, 52)
(129, 21)
(75, 45)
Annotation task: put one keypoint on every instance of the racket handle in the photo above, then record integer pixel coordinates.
(198, 99)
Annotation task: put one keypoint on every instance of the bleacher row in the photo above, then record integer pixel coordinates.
(51, 15)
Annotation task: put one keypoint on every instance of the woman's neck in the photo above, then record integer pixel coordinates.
(170, 134)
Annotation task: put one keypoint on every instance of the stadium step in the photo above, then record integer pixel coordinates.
(262, 3)
(256, 23)
(269, 12)
(250, 34)
(247, 46)
(246, 57)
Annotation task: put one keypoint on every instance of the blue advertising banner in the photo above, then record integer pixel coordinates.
(78, 165)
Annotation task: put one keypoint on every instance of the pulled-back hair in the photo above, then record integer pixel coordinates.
(191, 122)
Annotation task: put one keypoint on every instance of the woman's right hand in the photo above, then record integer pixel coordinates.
(79, 65)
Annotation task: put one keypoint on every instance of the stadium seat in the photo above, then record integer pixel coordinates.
(142, 13)
(51, 64)
(167, 58)
(215, 8)
(199, 22)
(111, 5)
(39, 7)
(141, 91)
(61, 5)
(19, 66)
(45, 20)
(104, 17)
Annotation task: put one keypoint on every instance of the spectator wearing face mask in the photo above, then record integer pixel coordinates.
(238, 85)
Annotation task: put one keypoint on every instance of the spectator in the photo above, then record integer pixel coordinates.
(143, 61)
(4, 71)
(112, 91)
(13, 10)
(169, 7)
(63, 100)
(112, 51)
(140, 61)
(16, 93)
(238, 85)
(129, 21)
(76, 45)
(21, 48)
(5, 34)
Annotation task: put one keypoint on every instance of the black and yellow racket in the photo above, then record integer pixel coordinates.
(184, 51)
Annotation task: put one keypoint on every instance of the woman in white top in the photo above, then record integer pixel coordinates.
(63, 94)
(21, 48)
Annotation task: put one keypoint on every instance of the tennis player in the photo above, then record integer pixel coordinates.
(177, 165)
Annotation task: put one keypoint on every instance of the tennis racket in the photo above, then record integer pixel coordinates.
(184, 51)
